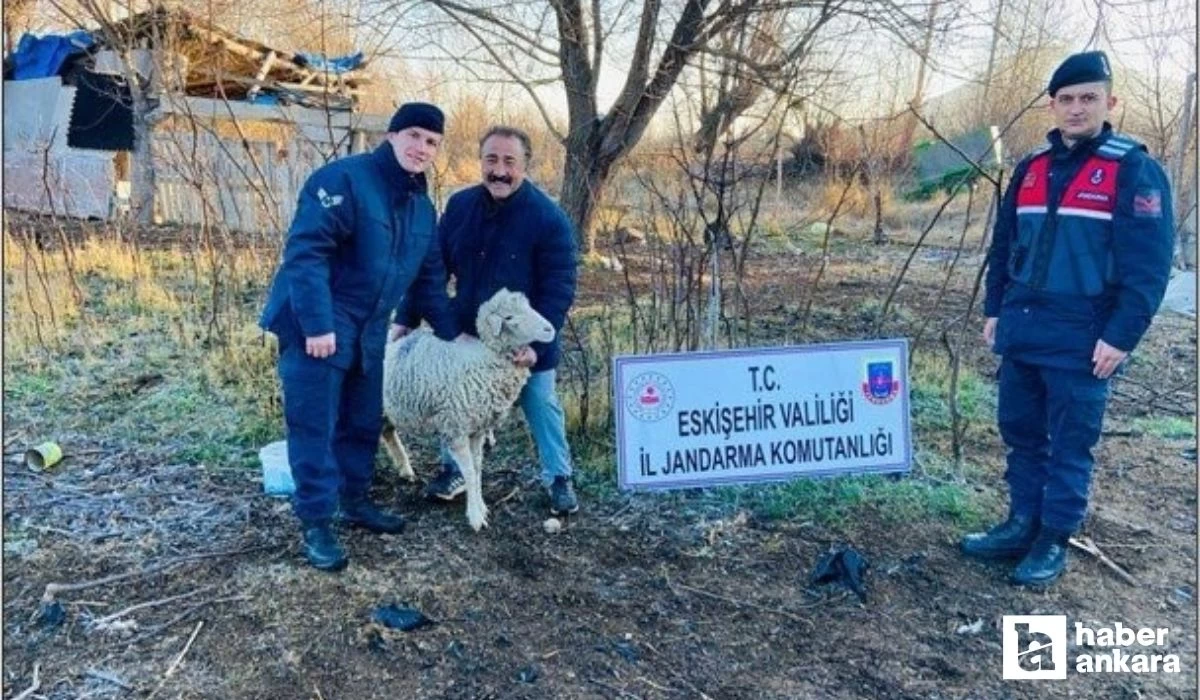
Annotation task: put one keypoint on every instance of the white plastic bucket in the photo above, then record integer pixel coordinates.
(276, 472)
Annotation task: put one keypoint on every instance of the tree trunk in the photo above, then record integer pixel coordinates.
(918, 97)
(143, 181)
(583, 182)
(984, 105)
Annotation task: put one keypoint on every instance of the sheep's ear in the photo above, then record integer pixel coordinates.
(494, 322)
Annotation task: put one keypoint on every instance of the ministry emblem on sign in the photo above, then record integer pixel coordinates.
(649, 396)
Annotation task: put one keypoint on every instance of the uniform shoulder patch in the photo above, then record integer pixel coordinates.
(1147, 203)
(1118, 146)
(328, 200)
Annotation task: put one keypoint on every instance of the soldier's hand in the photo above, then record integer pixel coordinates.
(399, 330)
(321, 346)
(1106, 359)
(989, 332)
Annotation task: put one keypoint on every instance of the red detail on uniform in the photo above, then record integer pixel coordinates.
(1148, 204)
(1081, 193)
(1030, 179)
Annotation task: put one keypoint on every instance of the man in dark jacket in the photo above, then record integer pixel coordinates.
(1078, 266)
(363, 234)
(505, 232)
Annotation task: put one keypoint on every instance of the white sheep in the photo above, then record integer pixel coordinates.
(460, 390)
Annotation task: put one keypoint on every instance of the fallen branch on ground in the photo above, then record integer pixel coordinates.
(514, 492)
(1087, 545)
(102, 621)
(33, 687)
(53, 589)
(151, 631)
(739, 603)
(178, 659)
(93, 673)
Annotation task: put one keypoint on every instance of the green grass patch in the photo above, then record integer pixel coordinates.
(835, 501)
(829, 501)
(930, 395)
(1168, 427)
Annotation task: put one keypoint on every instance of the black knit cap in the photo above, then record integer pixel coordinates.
(1087, 67)
(420, 114)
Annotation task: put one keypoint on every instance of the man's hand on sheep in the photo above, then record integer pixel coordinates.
(524, 357)
(321, 346)
(398, 332)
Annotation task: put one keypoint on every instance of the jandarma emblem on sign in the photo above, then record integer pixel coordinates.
(649, 397)
(880, 387)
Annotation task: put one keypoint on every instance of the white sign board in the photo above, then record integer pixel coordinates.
(763, 414)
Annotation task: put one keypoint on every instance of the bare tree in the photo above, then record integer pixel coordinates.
(568, 42)
(17, 17)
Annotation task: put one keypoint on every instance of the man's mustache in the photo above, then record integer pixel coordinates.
(506, 179)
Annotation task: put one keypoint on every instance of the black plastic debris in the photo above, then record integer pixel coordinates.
(51, 614)
(529, 674)
(842, 565)
(400, 617)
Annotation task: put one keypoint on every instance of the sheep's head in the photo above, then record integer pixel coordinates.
(507, 321)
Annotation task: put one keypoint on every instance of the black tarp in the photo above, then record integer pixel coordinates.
(102, 118)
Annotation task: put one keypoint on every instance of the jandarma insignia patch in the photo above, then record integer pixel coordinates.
(1147, 203)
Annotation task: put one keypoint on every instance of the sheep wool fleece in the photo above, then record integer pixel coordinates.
(362, 238)
(452, 389)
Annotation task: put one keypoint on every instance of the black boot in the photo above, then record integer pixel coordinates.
(322, 549)
(1008, 540)
(1046, 561)
(360, 512)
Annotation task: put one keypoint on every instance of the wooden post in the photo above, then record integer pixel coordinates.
(779, 181)
(262, 75)
(1184, 190)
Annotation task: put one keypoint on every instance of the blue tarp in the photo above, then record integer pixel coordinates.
(43, 57)
(337, 65)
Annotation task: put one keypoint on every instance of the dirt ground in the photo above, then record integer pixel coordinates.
(648, 596)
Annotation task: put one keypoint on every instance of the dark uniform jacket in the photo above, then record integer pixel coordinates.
(363, 234)
(525, 244)
(1081, 251)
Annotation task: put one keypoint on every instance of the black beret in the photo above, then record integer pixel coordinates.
(1088, 67)
(420, 114)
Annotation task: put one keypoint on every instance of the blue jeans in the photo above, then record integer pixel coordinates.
(547, 423)
(1050, 419)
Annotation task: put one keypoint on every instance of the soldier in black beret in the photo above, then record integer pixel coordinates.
(1080, 259)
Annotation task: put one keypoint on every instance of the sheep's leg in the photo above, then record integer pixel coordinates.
(460, 450)
(397, 453)
(477, 472)
(477, 442)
